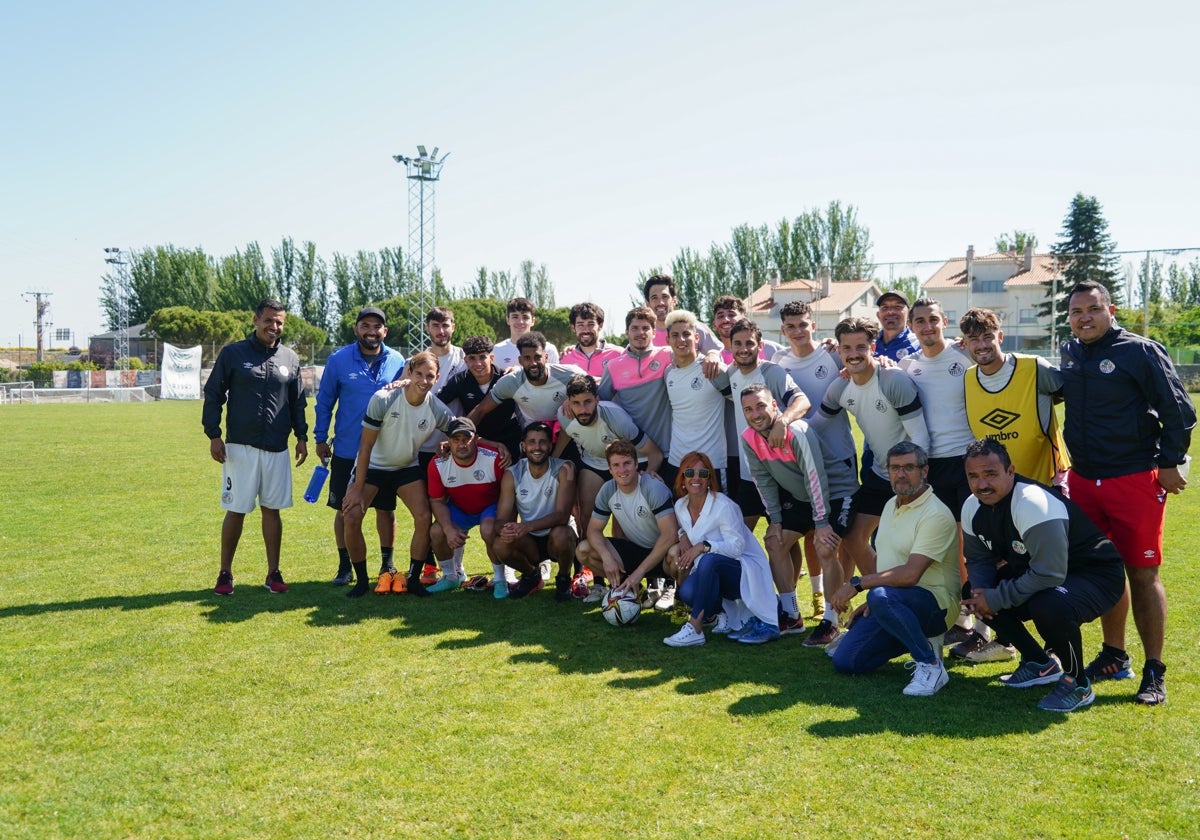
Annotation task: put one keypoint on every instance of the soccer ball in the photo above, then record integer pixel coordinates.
(620, 608)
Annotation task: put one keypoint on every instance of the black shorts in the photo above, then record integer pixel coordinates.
(840, 511)
(871, 496)
(948, 478)
(632, 555)
(797, 515)
(605, 475)
(389, 481)
(742, 490)
(340, 470)
(543, 545)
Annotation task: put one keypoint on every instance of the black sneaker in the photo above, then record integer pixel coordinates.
(1153, 691)
(1109, 664)
(344, 577)
(562, 589)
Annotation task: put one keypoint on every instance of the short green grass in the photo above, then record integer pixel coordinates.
(135, 703)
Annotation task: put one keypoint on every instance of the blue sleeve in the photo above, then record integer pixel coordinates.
(327, 395)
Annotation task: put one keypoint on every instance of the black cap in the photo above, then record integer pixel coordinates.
(368, 311)
(459, 425)
(891, 294)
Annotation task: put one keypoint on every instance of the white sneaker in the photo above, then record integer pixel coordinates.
(721, 624)
(927, 678)
(595, 593)
(666, 601)
(687, 636)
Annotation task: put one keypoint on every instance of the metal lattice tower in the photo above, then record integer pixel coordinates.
(424, 171)
(115, 256)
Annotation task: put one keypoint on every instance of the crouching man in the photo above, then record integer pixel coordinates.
(1034, 556)
(912, 600)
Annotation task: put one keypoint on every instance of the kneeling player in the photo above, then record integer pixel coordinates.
(464, 487)
(532, 517)
(643, 507)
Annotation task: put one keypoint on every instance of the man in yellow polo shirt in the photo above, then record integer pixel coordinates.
(913, 597)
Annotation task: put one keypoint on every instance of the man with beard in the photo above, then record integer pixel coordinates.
(591, 354)
(593, 425)
(1023, 388)
(464, 487)
(895, 339)
(259, 381)
(439, 324)
(1035, 556)
(912, 598)
(746, 370)
(727, 311)
(1128, 427)
(887, 406)
(538, 387)
(352, 374)
(794, 481)
(814, 369)
(659, 292)
(534, 513)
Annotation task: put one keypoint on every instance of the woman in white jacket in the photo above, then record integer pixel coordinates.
(719, 561)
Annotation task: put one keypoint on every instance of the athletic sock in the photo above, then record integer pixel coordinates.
(385, 554)
(362, 583)
(815, 582)
(831, 615)
(965, 621)
(498, 572)
(415, 587)
(790, 605)
(458, 562)
(343, 561)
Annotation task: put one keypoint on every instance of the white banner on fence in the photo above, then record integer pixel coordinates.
(180, 373)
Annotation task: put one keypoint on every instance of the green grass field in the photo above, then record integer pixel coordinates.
(135, 703)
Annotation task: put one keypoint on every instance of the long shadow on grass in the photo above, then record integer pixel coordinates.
(772, 678)
(328, 605)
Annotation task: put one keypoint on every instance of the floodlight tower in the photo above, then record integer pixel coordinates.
(424, 171)
(115, 256)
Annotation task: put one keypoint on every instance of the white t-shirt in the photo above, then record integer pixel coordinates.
(402, 427)
(505, 354)
(697, 414)
(939, 380)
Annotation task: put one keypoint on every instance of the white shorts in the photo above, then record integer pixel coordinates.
(250, 473)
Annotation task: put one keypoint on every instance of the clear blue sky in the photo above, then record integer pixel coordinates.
(597, 139)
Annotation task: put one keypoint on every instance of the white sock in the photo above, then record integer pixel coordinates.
(498, 571)
(983, 630)
(447, 566)
(831, 614)
(790, 605)
(966, 621)
(458, 561)
(815, 582)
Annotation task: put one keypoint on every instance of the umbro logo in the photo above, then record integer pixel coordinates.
(999, 419)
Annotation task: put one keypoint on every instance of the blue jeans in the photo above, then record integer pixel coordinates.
(901, 619)
(714, 577)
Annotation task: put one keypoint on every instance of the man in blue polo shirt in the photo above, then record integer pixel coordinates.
(352, 374)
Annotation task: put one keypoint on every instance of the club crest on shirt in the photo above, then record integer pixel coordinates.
(881, 406)
(423, 424)
(478, 475)
(957, 369)
(655, 365)
(283, 371)
(697, 383)
(1019, 547)
(822, 372)
(1107, 366)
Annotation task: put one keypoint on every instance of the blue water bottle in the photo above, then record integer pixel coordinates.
(316, 484)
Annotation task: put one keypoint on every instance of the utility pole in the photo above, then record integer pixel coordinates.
(43, 308)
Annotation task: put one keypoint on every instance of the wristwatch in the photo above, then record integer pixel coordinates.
(856, 582)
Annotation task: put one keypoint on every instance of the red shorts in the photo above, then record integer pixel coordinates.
(1129, 508)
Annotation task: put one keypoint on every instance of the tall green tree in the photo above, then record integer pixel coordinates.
(242, 280)
(312, 286)
(831, 238)
(1084, 251)
(155, 278)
